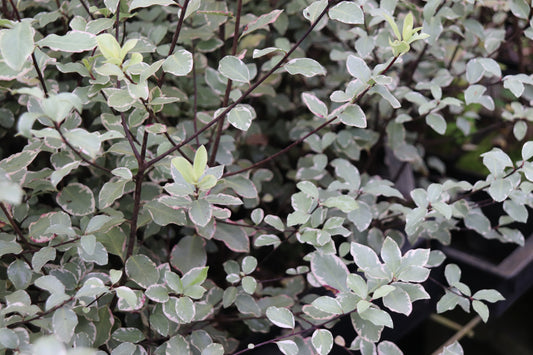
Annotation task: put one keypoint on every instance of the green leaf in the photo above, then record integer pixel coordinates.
(128, 335)
(358, 68)
(185, 169)
(344, 203)
(398, 301)
(407, 30)
(71, 42)
(147, 3)
(179, 63)
(10, 192)
(248, 264)
(388, 348)
(527, 150)
(390, 253)
(142, 270)
(454, 349)
(322, 341)
(262, 22)
(481, 309)
(305, 66)
(358, 285)
(200, 212)
(157, 293)
(200, 162)
(185, 309)
(16, 44)
(312, 12)
(76, 199)
(19, 273)
(281, 317)
(500, 189)
(364, 256)
(240, 117)
(127, 294)
(49, 345)
(488, 295)
(110, 192)
(234, 237)
(354, 116)
(437, 122)
(188, 253)
(109, 47)
(9, 339)
(57, 107)
(249, 284)
(195, 276)
(88, 143)
(64, 322)
(327, 304)
(287, 347)
(452, 274)
(347, 12)
(520, 8)
(474, 94)
(213, 349)
(377, 317)
(234, 69)
(382, 291)
(329, 270)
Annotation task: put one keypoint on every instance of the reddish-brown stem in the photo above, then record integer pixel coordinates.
(175, 38)
(195, 98)
(220, 123)
(77, 152)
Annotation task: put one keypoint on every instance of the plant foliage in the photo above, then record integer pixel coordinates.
(177, 176)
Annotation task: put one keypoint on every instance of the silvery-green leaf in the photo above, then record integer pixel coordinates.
(481, 309)
(157, 293)
(322, 341)
(16, 44)
(64, 322)
(249, 284)
(437, 122)
(312, 12)
(364, 257)
(262, 21)
(88, 142)
(354, 116)
(520, 130)
(305, 66)
(240, 117)
(329, 270)
(327, 304)
(527, 150)
(488, 295)
(474, 94)
(377, 317)
(343, 202)
(77, 199)
(213, 349)
(500, 189)
(398, 301)
(287, 347)
(315, 105)
(281, 317)
(233, 68)
(142, 270)
(185, 309)
(9, 339)
(358, 285)
(179, 63)
(72, 41)
(188, 253)
(452, 274)
(267, 239)
(200, 212)
(347, 12)
(520, 8)
(19, 273)
(358, 68)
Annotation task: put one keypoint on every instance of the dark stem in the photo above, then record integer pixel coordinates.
(77, 152)
(295, 143)
(195, 98)
(87, 9)
(175, 38)
(40, 314)
(220, 123)
(117, 21)
(245, 94)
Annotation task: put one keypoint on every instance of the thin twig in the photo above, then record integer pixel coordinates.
(175, 38)
(246, 93)
(220, 123)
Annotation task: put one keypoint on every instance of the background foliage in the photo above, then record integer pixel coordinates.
(180, 175)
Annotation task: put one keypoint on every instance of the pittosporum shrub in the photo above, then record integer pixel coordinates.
(177, 176)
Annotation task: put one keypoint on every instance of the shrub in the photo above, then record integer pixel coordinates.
(180, 175)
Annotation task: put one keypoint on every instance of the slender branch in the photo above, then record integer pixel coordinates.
(14, 224)
(246, 93)
(295, 143)
(289, 335)
(175, 38)
(77, 152)
(117, 21)
(220, 123)
(130, 138)
(195, 97)
(34, 60)
(40, 314)
(87, 9)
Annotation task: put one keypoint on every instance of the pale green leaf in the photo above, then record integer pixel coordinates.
(142, 270)
(281, 317)
(76, 199)
(354, 116)
(305, 66)
(240, 117)
(234, 69)
(322, 341)
(347, 12)
(179, 63)
(72, 42)
(16, 44)
(64, 322)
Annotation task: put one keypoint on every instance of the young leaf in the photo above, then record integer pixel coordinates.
(16, 44)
